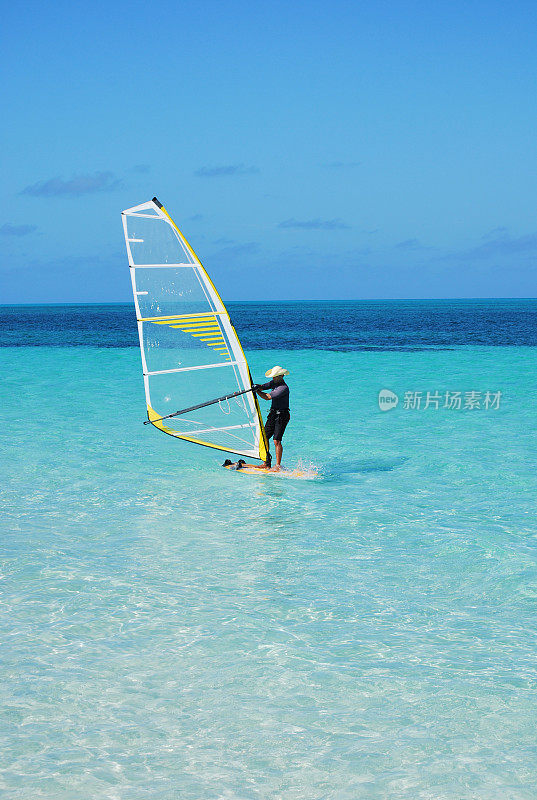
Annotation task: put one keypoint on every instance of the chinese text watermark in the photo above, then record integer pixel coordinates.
(451, 401)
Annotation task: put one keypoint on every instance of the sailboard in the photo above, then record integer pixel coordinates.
(190, 350)
(299, 473)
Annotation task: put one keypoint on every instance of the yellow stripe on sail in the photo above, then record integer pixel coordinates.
(197, 325)
(201, 329)
(174, 317)
(176, 321)
(192, 320)
(187, 328)
(195, 321)
(205, 329)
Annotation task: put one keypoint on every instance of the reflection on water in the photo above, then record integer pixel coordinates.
(340, 469)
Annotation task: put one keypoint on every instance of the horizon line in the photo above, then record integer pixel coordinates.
(274, 302)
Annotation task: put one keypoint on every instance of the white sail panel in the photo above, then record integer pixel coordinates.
(229, 425)
(152, 240)
(190, 351)
(171, 291)
(178, 342)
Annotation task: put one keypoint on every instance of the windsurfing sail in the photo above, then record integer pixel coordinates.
(190, 350)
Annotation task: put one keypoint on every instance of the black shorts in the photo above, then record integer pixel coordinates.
(276, 423)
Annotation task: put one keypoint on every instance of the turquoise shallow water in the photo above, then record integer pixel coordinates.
(173, 630)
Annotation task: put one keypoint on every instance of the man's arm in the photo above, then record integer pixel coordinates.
(263, 394)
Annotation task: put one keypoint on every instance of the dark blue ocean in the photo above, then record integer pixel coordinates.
(371, 325)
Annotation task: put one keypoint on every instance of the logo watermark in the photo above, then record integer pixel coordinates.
(387, 400)
(450, 400)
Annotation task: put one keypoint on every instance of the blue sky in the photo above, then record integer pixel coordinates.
(307, 150)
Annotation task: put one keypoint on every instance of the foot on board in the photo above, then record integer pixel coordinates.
(239, 465)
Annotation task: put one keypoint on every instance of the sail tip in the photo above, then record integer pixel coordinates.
(156, 202)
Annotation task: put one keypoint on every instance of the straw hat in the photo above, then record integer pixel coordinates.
(275, 372)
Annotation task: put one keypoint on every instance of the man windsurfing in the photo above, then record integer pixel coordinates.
(278, 416)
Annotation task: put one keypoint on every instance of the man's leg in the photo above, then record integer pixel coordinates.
(269, 431)
(279, 429)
